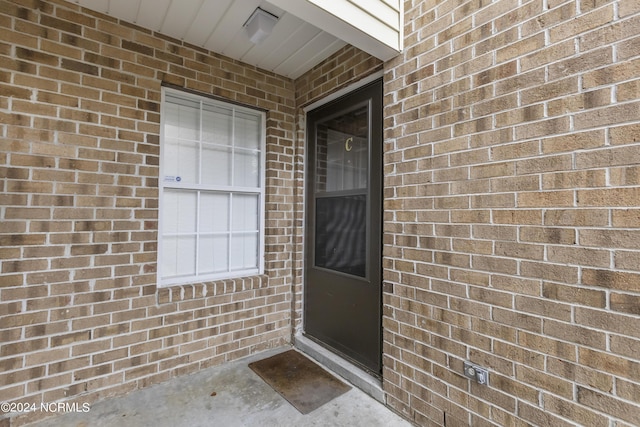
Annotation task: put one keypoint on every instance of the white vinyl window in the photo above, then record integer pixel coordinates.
(211, 189)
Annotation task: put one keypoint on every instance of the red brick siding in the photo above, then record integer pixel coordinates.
(512, 213)
(80, 312)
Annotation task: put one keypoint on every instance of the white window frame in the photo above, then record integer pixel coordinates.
(164, 184)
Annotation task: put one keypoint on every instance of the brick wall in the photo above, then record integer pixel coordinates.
(81, 316)
(511, 210)
(512, 213)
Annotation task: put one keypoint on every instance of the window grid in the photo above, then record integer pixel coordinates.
(233, 177)
(230, 191)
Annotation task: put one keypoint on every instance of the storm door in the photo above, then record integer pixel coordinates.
(343, 227)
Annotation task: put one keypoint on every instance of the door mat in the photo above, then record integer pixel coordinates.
(300, 381)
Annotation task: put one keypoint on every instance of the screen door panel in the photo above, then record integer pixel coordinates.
(343, 233)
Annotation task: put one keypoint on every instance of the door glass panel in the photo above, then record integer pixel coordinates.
(341, 234)
(342, 158)
(342, 152)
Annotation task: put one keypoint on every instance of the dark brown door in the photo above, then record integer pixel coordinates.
(343, 297)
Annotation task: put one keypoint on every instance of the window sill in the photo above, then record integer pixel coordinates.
(193, 291)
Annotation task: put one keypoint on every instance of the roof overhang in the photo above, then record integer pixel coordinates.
(374, 26)
(307, 31)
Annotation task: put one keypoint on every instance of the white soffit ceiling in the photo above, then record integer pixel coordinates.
(293, 47)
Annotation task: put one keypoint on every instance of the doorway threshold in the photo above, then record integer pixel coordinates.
(350, 372)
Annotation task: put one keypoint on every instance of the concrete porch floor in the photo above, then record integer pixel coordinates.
(242, 399)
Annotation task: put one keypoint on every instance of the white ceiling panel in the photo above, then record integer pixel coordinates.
(205, 22)
(230, 25)
(290, 45)
(179, 17)
(235, 46)
(151, 13)
(322, 44)
(293, 47)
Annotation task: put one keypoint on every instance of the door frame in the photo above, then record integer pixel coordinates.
(338, 94)
(301, 295)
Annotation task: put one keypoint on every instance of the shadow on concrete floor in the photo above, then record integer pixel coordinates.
(241, 398)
